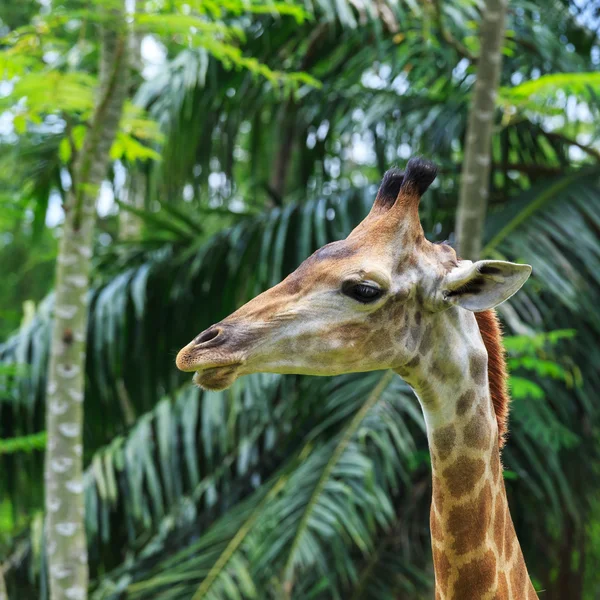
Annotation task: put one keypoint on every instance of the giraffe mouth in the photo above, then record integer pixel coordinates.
(217, 378)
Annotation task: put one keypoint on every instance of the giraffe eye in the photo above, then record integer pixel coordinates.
(362, 292)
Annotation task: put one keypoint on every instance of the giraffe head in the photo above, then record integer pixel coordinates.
(358, 304)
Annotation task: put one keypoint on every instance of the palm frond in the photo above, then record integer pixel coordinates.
(133, 483)
(362, 465)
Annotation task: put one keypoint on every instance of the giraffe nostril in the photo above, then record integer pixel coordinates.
(207, 336)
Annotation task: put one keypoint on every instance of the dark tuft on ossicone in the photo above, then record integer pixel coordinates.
(419, 174)
(390, 186)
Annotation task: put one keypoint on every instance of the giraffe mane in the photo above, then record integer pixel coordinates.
(491, 332)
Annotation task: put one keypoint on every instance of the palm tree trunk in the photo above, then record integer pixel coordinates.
(474, 185)
(64, 528)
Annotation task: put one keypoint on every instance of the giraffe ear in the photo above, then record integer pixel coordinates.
(484, 284)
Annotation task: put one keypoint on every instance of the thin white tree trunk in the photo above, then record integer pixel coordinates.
(474, 184)
(66, 545)
(3, 594)
(130, 225)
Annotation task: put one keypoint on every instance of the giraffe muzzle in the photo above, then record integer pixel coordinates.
(217, 378)
(214, 356)
(209, 338)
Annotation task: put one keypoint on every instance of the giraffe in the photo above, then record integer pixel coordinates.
(387, 298)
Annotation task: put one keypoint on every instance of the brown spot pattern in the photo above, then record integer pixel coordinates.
(411, 364)
(509, 535)
(502, 593)
(436, 526)
(292, 285)
(398, 312)
(465, 402)
(476, 577)
(499, 523)
(519, 579)
(478, 368)
(426, 390)
(443, 440)
(438, 497)
(426, 341)
(441, 566)
(352, 331)
(334, 251)
(385, 341)
(415, 330)
(463, 475)
(477, 432)
(446, 370)
(469, 522)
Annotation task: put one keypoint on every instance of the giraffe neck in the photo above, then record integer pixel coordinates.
(476, 553)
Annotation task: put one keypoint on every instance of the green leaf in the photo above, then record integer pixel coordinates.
(64, 150)
(25, 443)
(20, 124)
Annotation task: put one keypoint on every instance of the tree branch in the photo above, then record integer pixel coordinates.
(448, 37)
(526, 168)
(527, 45)
(555, 135)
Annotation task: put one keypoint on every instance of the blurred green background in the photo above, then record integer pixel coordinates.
(254, 133)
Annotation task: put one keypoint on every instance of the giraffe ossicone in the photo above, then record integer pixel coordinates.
(387, 298)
